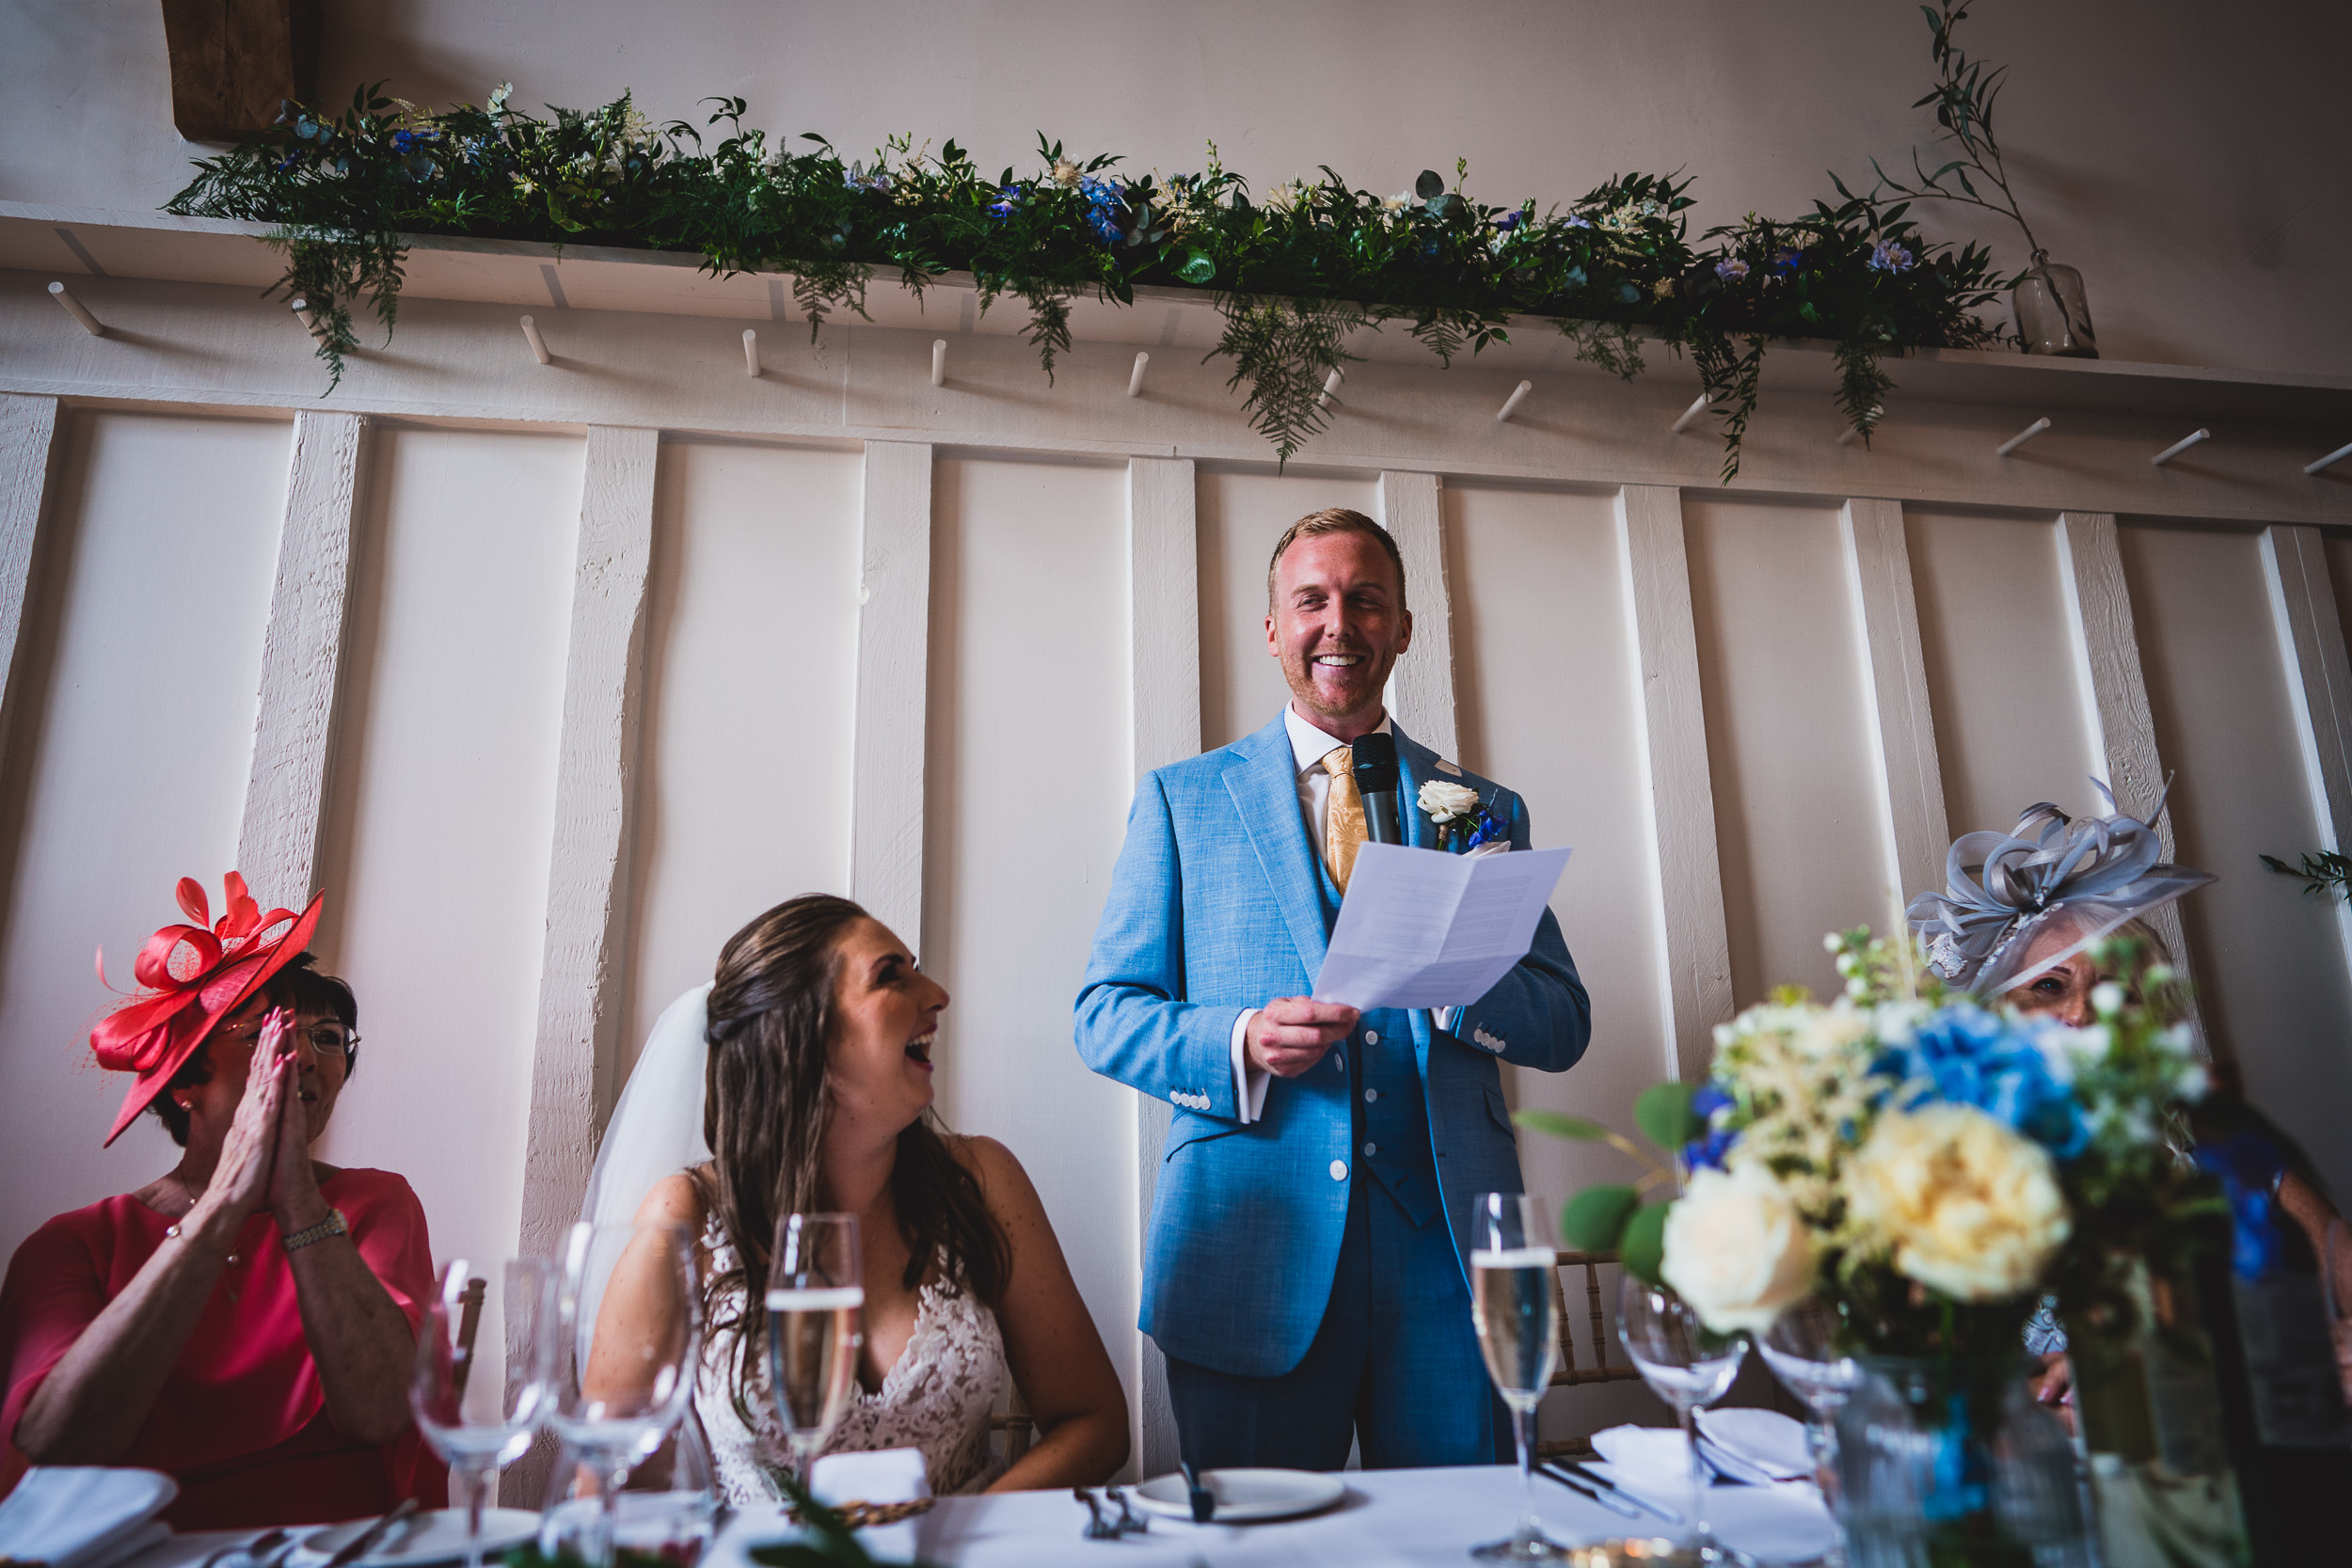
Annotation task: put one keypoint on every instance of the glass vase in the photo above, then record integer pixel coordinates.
(1948, 1463)
(2149, 1403)
(2053, 315)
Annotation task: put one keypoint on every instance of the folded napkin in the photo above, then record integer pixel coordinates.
(882, 1476)
(1777, 1521)
(1763, 1440)
(76, 1516)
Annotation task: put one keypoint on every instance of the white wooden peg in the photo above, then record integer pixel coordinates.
(751, 352)
(538, 344)
(1330, 386)
(303, 313)
(1134, 378)
(2022, 437)
(939, 361)
(2332, 458)
(75, 308)
(2168, 453)
(1518, 395)
(1698, 406)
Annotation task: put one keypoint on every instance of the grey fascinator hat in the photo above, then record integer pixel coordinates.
(2069, 881)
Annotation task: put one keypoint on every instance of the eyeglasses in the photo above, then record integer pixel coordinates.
(325, 1038)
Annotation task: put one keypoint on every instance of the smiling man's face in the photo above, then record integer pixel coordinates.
(1337, 623)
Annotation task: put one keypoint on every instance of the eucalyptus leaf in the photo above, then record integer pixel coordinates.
(1561, 1126)
(1662, 1112)
(1594, 1220)
(1643, 1248)
(1429, 185)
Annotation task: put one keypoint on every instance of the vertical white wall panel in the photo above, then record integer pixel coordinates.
(133, 723)
(1787, 738)
(2270, 969)
(1241, 516)
(743, 796)
(2001, 671)
(1030, 772)
(1545, 698)
(441, 811)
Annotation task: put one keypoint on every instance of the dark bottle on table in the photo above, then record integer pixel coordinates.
(2283, 1411)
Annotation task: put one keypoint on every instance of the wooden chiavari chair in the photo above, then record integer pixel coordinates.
(1570, 1374)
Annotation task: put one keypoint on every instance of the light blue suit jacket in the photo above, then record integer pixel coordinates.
(1215, 907)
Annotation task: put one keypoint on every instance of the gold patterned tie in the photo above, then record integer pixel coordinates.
(1343, 816)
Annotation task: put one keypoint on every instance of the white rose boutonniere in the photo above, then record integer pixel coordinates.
(1737, 1249)
(1454, 810)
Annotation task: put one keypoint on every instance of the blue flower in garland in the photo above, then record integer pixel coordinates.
(1961, 1055)
(1008, 198)
(1578, 220)
(1104, 208)
(1886, 255)
(1731, 269)
(1509, 221)
(408, 141)
(1788, 261)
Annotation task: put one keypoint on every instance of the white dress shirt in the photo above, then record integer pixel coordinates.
(1309, 747)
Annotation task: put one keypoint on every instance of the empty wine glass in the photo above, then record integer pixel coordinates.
(1688, 1366)
(480, 1425)
(1801, 1347)
(627, 1377)
(1518, 1325)
(815, 1325)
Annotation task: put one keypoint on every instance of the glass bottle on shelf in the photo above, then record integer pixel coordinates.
(2053, 315)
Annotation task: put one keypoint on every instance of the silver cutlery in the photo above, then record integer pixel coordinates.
(362, 1543)
(252, 1551)
(1588, 1473)
(1204, 1500)
(1609, 1500)
(1128, 1522)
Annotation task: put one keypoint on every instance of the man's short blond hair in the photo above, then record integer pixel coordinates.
(1335, 519)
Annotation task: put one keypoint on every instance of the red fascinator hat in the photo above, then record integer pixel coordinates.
(190, 978)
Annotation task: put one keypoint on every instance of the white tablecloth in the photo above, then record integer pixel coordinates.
(1391, 1519)
(1400, 1517)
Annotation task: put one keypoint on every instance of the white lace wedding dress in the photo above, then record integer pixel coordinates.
(936, 1398)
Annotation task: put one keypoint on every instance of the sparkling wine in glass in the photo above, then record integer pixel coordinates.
(1685, 1365)
(482, 1419)
(627, 1376)
(1512, 1308)
(1801, 1347)
(815, 1325)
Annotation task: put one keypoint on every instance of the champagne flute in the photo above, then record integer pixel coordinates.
(481, 1424)
(815, 1325)
(1685, 1365)
(628, 1375)
(1801, 1347)
(1511, 1307)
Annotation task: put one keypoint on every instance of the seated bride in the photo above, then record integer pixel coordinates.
(816, 1042)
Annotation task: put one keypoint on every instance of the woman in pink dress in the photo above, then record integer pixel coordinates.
(246, 1321)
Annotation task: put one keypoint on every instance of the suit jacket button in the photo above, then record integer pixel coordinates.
(1371, 1095)
(1372, 1036)
(1338, 1170)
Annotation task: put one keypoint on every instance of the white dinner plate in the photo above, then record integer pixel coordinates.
(435, 1536)
(1245, 1496)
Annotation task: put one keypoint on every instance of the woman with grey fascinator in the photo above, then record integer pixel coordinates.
(2021, 910)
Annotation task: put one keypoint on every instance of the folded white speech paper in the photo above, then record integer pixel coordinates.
(1422, 928)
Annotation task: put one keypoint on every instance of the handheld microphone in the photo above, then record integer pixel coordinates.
(1376, 776)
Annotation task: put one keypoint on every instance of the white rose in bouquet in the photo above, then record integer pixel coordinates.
(1737, 1249)
(1962, 1204)
(1441, 802)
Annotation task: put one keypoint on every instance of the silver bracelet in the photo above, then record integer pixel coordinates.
(331, 1225)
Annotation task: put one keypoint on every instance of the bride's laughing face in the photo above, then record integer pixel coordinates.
(885, 1017)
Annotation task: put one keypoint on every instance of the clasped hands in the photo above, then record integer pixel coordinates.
(1290, 1033)
(265, 1159)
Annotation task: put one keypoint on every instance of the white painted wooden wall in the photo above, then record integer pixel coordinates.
(551, 708)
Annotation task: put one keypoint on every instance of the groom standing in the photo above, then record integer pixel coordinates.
(1306, 1272)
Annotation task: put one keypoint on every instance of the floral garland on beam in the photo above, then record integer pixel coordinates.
(1292, 273)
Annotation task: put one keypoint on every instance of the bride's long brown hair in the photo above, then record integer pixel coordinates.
(765, 1110)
